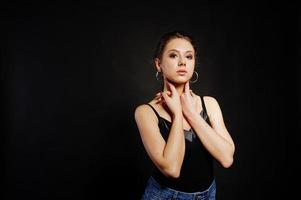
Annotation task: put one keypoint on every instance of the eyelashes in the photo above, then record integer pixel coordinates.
(172, 55)
(190, 57)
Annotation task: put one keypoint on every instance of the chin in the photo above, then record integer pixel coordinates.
(178, 81)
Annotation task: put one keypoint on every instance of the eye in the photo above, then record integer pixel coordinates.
(189, 57)
(172, 55)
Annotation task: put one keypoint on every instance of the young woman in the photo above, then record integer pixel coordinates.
(182, 132)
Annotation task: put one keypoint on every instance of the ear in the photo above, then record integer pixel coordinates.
(157, 64)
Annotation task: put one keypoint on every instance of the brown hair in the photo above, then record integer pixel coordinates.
(169, 36)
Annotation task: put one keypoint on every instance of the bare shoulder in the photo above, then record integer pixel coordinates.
(211, 104)
(144, 109)
(210, 100)
(143, 112)
(140, 110)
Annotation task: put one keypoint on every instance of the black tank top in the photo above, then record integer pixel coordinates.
(197, 168)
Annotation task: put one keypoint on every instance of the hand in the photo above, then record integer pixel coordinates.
(171, 98)
(190, 102)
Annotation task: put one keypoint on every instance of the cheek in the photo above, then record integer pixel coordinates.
(192, 64)
(169, 66)
(191, 68)
(172, 61)
(168, 63)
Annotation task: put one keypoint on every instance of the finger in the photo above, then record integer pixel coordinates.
(187, 89)
(198, 101)
(172, 87)
(164, 98)
(167, 92)
(166, 84)
(193, 94)
(165, 95)
(160, 100)
(158, 95)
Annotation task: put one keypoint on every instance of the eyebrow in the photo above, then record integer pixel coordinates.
(178, 51)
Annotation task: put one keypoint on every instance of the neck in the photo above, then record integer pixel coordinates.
(179, 88)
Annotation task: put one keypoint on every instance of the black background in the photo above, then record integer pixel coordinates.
(72, 76)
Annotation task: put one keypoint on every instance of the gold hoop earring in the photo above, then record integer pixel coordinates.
(197, 77)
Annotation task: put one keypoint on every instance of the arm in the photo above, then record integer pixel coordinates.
(216, 139)
(167, 156)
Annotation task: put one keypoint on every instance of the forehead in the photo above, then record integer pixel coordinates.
(179, 44)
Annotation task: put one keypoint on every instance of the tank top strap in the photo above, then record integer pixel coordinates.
(157, 114)
(204, 106)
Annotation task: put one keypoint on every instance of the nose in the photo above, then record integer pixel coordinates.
(182, 62)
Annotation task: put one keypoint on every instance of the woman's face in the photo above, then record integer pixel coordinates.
(178, 61)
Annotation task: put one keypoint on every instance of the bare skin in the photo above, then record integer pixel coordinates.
(181, 106)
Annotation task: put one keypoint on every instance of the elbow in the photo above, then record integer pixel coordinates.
(228, 159)
(172, 172)
(170, 168)
(227, 162)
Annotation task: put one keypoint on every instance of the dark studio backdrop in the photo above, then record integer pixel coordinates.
(72, 76)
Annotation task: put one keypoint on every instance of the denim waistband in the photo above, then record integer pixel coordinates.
(180, 194)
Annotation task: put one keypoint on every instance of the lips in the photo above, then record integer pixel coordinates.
(182, 71)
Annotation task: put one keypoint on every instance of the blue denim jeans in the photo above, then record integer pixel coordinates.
(154, 191)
